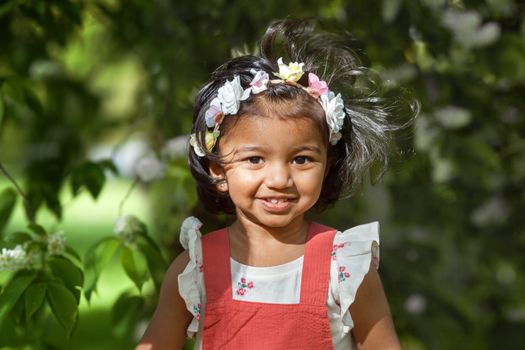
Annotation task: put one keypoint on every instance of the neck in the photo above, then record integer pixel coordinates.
(260, 245)
(293, 233)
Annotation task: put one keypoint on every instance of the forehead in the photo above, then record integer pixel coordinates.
(272, 132)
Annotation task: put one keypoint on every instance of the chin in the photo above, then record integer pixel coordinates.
(276, 221)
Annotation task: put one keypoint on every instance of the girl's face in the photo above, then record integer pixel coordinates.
(274, 169)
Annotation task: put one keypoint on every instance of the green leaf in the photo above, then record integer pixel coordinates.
(39, 230)
(7, 205)
(69, 273)
(95, 179)
(32, 100)
(91, 176)
(97, 257)
(107, 164)
(7, 7)
(19, 237)
(390, 10)
(13, 291)
(34, 297)
(156, 263)
(73, 256)
(125, 313)
(14, 88)
(135, 265)
(64, 306)
(2, 108)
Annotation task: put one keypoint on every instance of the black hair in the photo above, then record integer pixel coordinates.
(366, 132)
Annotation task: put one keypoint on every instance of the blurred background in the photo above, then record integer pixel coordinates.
(95, 108)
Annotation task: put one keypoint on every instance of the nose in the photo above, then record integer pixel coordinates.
(279, 176)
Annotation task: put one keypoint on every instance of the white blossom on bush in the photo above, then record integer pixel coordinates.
(14, 259)
(56, 243)
(415, 303)
(127, 228)
(176, 147)
(149, 168)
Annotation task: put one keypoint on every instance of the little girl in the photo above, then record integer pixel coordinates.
(274, 138)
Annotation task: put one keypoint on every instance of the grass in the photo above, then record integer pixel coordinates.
(85, 222)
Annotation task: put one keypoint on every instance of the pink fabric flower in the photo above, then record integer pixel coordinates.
(343, 275)
(315, 86)
(241, 291)
(212, 111)
(250, 284)
(243, 280)
(259, 82)
(257, 85)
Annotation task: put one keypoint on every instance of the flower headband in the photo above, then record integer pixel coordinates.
(230, 95)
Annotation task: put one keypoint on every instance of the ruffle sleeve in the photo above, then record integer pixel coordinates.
(190, 279)
(354, 250)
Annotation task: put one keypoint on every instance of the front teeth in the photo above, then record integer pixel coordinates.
(275, 201)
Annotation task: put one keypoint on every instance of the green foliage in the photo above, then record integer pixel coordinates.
(13, 291)
(7, 204)
(43, 274)
(139, 255)
(91, 175)
(97, 257)
(64, 305)
(125, 313)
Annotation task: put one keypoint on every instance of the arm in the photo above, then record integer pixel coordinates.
(167, 328)
(373, 325)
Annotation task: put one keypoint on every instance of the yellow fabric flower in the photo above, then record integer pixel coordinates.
(291, 72)
(210, 138)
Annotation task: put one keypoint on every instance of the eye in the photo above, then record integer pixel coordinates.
(301, 160)
(254, 160)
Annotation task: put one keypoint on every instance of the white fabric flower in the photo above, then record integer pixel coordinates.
(196, 147)
(230, 95)
(291, 72)
(334, 109)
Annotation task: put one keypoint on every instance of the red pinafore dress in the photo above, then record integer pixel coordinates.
(235, 324)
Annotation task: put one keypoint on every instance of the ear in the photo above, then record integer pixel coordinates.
(217, 172)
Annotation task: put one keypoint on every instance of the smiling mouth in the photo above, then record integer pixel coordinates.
(276, 204)
(275, 200)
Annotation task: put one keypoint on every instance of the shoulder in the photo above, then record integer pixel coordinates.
(167, 328)
(355, 252)
(178, 265)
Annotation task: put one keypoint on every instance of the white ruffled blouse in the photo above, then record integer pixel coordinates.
(354, 250)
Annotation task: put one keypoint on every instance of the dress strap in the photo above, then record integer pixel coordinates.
(216, 262)
(316, 265)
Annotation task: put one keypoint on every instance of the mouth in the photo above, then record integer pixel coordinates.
(276, 203)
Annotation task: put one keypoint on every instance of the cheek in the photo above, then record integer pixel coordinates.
(312, 183)
(241, 181)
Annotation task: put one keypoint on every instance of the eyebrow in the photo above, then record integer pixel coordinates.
(310, 148)
(248, 149)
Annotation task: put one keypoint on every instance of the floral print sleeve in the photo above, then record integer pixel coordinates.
(354, 252)
(191, 279)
